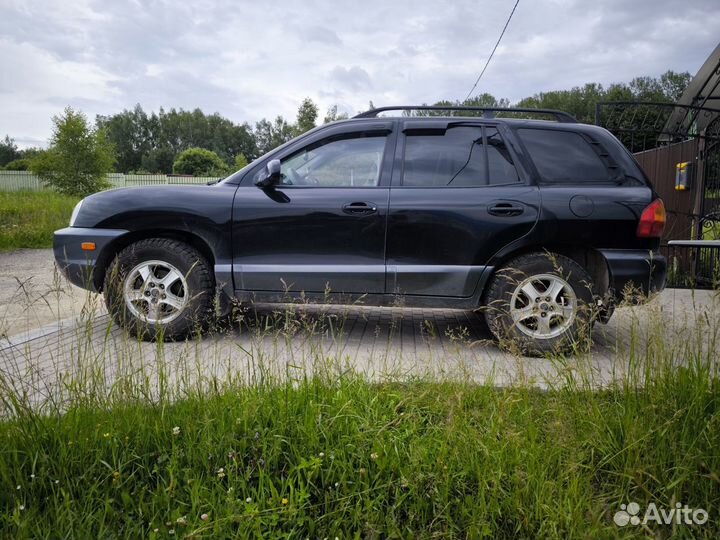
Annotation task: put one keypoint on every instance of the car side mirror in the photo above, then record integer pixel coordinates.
(271, 176)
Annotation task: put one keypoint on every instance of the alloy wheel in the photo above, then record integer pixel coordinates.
(155, 292)
(543, 306)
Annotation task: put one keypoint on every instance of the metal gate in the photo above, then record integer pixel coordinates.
(661, 135)
(711, 173)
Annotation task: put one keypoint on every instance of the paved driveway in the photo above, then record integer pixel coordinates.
(32, 293)
(291, 341)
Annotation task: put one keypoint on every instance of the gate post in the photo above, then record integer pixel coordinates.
(699, 184)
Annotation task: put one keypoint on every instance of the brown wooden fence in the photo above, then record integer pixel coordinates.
(682, 206)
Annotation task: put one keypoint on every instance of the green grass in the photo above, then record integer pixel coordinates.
(28, 219)
(105, 437)
(350, 459)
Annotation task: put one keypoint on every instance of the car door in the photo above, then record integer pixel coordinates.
(322, 227)
(458, 196)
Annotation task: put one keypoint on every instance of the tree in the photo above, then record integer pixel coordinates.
(129, 131)
(333, 115)
(481, 100)
(486, 100)
(240, 161)
(158, 160)
(31, 153)
(269, 135)
(306, 116)
(674, 84)
(79, 157)
(199, 162)
(8, 151)
(153, 141)
(580, 102)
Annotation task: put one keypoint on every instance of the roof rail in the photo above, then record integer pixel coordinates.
(488, 112)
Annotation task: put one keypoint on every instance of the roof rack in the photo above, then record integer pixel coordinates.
(488, 112)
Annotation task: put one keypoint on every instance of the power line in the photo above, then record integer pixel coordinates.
(493, 51)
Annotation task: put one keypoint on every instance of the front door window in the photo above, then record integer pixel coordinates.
(337, 163)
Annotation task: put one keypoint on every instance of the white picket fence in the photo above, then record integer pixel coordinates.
(26, 181)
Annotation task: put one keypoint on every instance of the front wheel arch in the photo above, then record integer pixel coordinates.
(116, 246)
(195, 292)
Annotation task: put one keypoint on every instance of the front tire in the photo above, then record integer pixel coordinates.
(541, 303)
(159, 288)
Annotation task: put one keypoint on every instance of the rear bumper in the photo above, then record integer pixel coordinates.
(78, 265)
(637, 270)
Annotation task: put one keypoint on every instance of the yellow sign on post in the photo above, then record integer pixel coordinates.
(683, 175)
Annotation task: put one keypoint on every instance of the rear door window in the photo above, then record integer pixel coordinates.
(461, 156)
(564, 157)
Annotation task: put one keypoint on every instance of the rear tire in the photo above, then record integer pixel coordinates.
(541, 303)
(160, 288)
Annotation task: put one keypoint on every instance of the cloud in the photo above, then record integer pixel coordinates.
(354, 78)
(320, 34)
(249, 60)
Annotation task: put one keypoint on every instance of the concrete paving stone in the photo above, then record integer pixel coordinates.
(377, 342)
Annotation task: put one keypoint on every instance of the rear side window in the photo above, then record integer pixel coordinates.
(564, 157)
(461, 156)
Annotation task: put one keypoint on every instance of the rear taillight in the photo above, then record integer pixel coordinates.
(652, 220)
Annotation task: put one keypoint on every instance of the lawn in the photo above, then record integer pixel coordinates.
(345, 458)
(28, 218)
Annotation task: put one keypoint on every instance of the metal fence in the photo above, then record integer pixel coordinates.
(692, 266)
(27, 181)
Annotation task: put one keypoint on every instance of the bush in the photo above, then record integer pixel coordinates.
(199, 162)
(18, 165)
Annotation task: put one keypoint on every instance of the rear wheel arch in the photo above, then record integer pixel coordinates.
(540, 302)
(116, 246)
(592, 260)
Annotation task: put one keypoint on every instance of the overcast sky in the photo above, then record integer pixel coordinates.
(249, 60)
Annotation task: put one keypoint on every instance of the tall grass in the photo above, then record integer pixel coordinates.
(28, 219)
(272, 432)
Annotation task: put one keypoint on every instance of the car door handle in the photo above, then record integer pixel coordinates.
(355, 208)
(505, 210)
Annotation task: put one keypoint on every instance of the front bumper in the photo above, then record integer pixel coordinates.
(78, 265)
(635, 270)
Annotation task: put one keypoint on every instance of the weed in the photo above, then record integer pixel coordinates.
(266, 428)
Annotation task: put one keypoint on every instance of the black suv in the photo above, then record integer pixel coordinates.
(543, 223)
